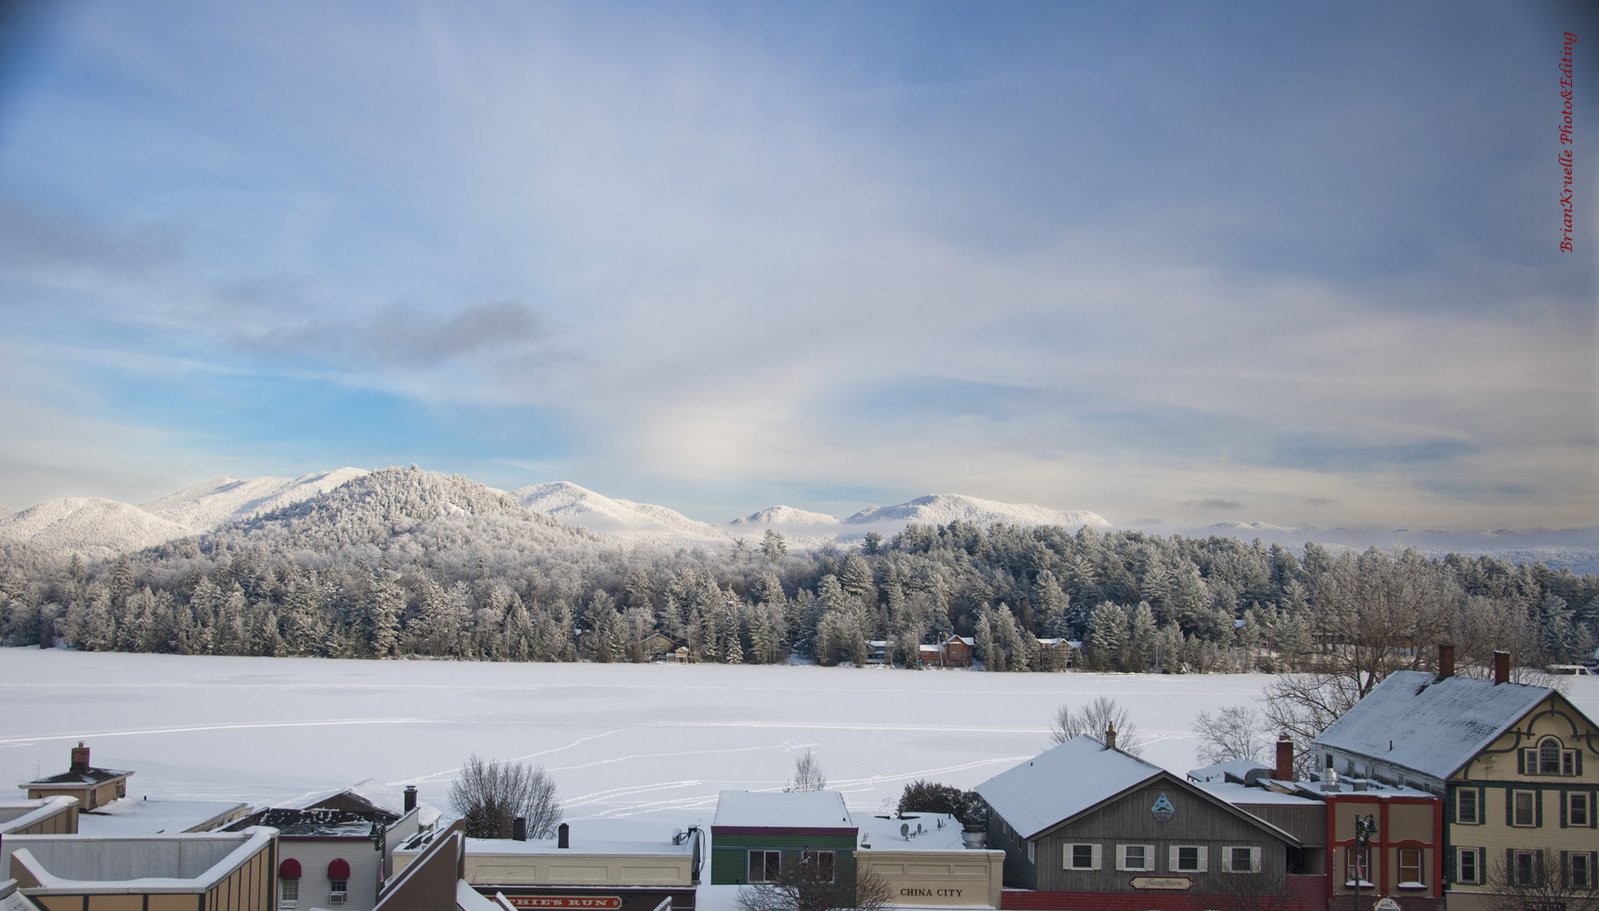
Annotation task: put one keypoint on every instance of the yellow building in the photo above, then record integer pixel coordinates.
(91, 786)
(1517, 767)
(190, 872)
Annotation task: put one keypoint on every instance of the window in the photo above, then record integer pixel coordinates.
(818, 866)
(288, 891)
(1468, 806)
(339, 892)
(1523, 808)
(1240, 859)
(1136, 858)
(1580, 870)
(1357, 868)
(1468, 866)
(1188, 858)
(1550, 757)
(765, 866)
(1579, 810)
(1082, 857)
(1410, 869)
(1526, 867)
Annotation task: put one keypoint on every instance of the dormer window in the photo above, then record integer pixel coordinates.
(1550, 757)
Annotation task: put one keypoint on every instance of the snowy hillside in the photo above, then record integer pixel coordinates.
(1576, 549)
(570, 504)
(778, 516)
(211, 504)
(91, 526)
(944, 508)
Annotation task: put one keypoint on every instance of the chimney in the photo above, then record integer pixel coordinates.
(1446, 661)
(80, 758)
(563, 836)
(1110, 736)
(519, 828)
(1285, 759)
(1501, 667)
(410, 797)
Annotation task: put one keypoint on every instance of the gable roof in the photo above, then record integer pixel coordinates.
(1062, 782)
(1415, 721)
(1078, 776)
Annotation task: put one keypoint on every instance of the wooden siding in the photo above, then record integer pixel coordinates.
(1196, 820)
(730, 853)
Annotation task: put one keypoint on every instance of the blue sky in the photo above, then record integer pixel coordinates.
(1176, 262)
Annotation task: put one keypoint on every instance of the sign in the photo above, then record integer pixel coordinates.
(1386, 904)
(1163, 809)
(587, 902)
(1545, 906)
(1163, 883)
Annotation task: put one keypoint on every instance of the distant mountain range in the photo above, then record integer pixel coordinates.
(98, 528)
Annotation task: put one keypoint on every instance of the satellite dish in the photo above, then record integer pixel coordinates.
(919, 829)
(905, 831)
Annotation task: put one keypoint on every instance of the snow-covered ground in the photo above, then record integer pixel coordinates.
(646, 742)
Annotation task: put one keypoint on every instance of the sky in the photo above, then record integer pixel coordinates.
(1175, 263)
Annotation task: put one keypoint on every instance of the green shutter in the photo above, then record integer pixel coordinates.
(1564, 799)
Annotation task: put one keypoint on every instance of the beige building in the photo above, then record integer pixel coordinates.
(1516, 766)
(193, 872)
(44, 816)
(91, 786)
(924, 860)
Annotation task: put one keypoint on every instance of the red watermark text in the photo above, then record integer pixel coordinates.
(1567, 135)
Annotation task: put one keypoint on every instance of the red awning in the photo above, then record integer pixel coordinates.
(339, 869)
(289, 869)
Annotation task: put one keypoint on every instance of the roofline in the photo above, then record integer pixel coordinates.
(1182, 783)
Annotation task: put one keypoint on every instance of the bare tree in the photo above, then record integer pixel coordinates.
(1541, 878)
(1234, 732)
(490, 795)
(1254, 892)
(808, 775)
(1093, 719)
(811, 886)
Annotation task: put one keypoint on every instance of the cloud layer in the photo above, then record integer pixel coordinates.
(1153, 262)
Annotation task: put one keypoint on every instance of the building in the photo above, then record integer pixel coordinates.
(1516, 766)
(45, 816)
(924, 861)
(91, 786)
(191, 872)
(336, 848)
(1086, 825)
(763, 837)
(952, 651)
(600, 865)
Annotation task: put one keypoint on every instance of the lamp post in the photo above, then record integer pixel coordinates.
(1364, 830)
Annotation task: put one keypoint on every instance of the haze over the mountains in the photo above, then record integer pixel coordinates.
(97, 527)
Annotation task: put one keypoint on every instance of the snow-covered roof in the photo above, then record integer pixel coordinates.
(13, 900)
(91, 776)
(1061, 782)
(1236, 768)
(320, 822)
(1415, 721)
(160, 863)
(16, 815)
(379, 796)
(782, 810)
(154, 817)
(470, 899)
(924, 832)
(1246, 796)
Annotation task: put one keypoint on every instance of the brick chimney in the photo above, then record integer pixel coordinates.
(1110, 736)
(1446, 661)
(410, 797)
(1285, 759)
(80, 759)
(1501, 667)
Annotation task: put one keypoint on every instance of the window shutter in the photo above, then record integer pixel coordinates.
(1098, 856)
(1510, 807)
(1537, 808)
(1565, 799)
(1565, 870)
(1172, 865)
(1510, 866)
(1521, 762)
(1593, 811)
(1204, 858)
(1578, 754)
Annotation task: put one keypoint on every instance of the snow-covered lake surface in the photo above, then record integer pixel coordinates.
(645, 742)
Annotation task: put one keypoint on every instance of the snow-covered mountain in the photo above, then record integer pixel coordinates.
(570, 504)
(211, 504)
(779, 516)
(944, 508)
(91, 526)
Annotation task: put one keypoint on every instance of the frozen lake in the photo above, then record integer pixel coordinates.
(656, 741)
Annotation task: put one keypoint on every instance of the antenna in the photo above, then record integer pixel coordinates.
(905, 831)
